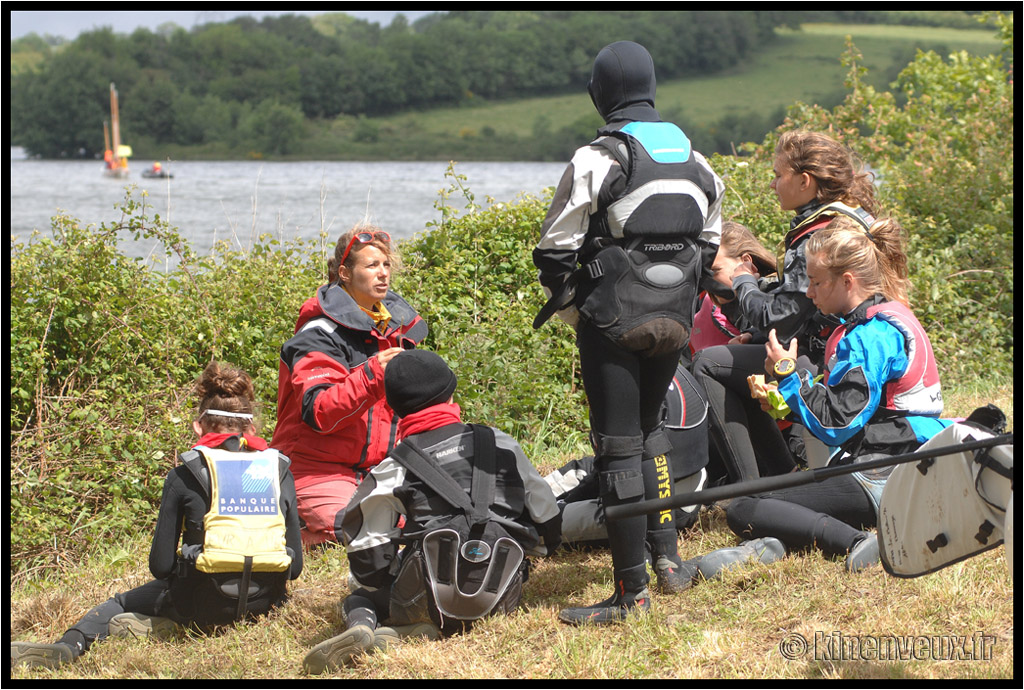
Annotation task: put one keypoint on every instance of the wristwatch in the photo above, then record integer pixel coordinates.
(784, 367)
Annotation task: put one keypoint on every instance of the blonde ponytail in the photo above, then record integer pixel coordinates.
(876, 257)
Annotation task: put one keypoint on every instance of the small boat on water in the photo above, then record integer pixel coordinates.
(115, 154)
(157, 172)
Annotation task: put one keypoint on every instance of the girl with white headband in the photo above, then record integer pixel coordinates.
(195, 584)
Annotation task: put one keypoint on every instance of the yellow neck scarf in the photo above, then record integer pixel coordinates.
(379, 313)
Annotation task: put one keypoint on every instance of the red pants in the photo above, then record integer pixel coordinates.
(322, 506)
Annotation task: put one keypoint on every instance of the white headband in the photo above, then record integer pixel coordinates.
(222, 413)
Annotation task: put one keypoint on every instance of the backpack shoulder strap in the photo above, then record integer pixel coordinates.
(484, 466)
(193, 461)
(615, 141)
(417, 461)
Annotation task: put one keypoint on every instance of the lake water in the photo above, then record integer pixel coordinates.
(211, 201)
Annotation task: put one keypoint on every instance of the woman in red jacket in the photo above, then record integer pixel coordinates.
(332, 418)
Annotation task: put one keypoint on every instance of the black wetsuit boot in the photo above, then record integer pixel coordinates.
(631, 596)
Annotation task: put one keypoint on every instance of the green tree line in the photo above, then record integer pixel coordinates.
(249, 85)
(259, 80)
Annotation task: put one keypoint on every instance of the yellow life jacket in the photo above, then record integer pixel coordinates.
(244, 528)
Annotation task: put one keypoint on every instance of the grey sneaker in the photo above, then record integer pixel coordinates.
(864, 554)
(140, 625)
(40, 654)
(764, 550)
(332, 654)
(387, 636)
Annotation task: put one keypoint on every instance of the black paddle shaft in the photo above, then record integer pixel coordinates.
(785, 481)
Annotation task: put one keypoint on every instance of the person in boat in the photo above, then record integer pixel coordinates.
(195, 583)
(333, 420)
(156, 171)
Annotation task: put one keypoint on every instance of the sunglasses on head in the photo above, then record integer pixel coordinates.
(364, 238)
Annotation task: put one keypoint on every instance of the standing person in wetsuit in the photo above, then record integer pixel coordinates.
(817, 178)
(635, 221)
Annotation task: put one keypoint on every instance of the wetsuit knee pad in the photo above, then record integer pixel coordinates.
(657, 443)
(617, 446)
(620, 487)
(620, 479)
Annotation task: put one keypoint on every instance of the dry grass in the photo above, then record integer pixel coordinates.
(733, 628)
(747, 625)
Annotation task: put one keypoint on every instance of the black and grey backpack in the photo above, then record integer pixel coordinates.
(467, 566)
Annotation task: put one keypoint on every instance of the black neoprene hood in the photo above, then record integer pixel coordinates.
(622, 83)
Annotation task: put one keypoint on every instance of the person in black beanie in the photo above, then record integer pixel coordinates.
(393, 506)
(418, 380)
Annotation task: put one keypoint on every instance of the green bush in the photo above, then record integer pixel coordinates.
(104, 350)
(941, 143)
(95, 374)
(473, 280)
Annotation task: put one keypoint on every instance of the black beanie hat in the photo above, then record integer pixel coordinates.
(416, 379)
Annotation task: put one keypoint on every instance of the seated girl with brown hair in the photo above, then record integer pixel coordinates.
(199, 581)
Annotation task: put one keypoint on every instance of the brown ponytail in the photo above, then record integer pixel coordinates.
(837, 170)
(224, 388)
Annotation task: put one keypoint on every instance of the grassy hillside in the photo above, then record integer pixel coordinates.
(804, 66)
(801, 66)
